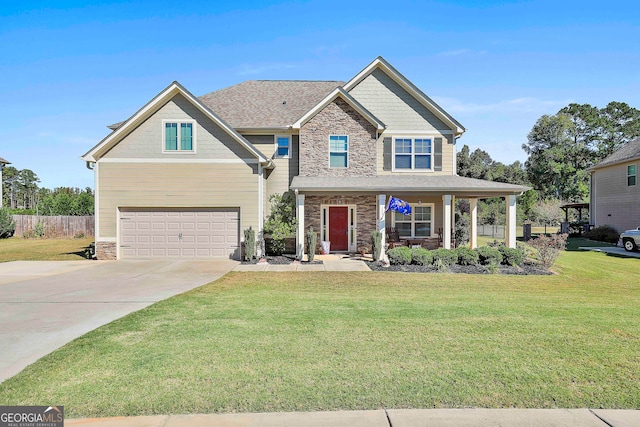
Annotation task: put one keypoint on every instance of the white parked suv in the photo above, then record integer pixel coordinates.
(630, 239)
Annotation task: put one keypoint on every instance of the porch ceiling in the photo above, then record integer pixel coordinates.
(402, 184)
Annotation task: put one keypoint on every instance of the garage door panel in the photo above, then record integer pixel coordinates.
(179, 233)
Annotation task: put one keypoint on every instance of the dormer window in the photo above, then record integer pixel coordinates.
(178, 136)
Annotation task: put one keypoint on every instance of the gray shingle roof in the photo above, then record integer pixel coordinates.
(629, 151)
(406, 184)
(267, 103)
(4, 162)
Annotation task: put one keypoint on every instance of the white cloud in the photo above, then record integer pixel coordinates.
(507, 106)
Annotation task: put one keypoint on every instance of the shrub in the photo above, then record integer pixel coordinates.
(446, 256)
(421, 256)
(511, 256)
(439, 265)
(7, 224)
(249, 244)
(39, 229)
(529, 254)
(549, 248)
(489, 255)
(399, 256)
(311, 240)
(461, 231)
(281, 222)
(376, 244)
(467, 256)
(604, 233)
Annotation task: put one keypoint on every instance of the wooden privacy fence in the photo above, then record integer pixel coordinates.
(54, 226)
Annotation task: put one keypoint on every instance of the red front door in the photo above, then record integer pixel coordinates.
(339, 228)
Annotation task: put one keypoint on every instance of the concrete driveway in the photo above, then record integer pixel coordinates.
(44, 305)
(612, 251)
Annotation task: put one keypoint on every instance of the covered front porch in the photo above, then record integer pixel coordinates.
(344, 211)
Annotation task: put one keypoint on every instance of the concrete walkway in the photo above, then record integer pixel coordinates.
(329, 263)
(386, 418)
(612, 250)
(46, 304)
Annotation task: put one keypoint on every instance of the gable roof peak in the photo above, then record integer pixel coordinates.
(406, 84)
(150, 108)
(339, 92)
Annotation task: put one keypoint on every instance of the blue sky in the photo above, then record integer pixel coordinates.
(70, 68)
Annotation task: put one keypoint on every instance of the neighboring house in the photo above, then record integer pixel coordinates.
(185, 175)
(3, 162)
(615, 190)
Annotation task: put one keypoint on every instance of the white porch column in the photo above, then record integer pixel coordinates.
(510, 229)
(300, 231)
(473, 233)
(382, 221)
(446, 216)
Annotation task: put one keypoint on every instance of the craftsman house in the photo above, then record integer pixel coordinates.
(185, 175)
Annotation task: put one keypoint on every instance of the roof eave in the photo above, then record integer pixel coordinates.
(483, 192)
(618, 162)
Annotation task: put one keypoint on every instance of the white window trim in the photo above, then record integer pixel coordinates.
(275, 143)
(413, 154)
(193, 136)
(413, 221)
(635, 175)
(348, 150)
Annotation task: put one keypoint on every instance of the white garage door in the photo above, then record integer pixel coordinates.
(179, 233)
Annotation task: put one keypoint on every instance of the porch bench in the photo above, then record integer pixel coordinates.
(427, 242)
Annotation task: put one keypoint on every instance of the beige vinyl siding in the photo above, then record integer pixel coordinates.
(278, 179)
(393, 105)
(148, 185)
(211, 141)
(448, 151)
(616, 203)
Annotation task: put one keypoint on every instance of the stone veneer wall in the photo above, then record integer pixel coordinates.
(366, 220)
(106, 250)
(338, 118)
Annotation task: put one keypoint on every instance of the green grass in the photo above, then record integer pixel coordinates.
(253, 342)
(19, 249)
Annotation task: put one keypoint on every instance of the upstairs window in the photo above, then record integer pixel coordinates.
(338, 151)
(631, 175)
(283, 146)
(178, 136)
(412, 153)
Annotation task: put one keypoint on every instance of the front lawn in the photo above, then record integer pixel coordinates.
(324, 341)
(19, 249)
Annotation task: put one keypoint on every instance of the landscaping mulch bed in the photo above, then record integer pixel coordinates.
(280, 260)
(464, 269)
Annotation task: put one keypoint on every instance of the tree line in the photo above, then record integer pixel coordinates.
(560, 147)
(22, 195)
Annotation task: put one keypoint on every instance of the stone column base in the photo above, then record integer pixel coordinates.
(106, 250)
